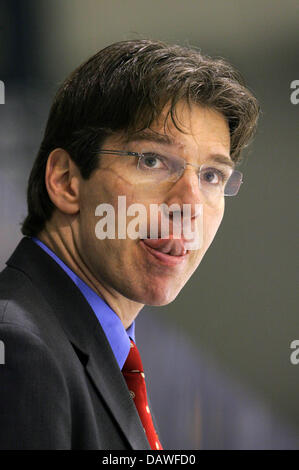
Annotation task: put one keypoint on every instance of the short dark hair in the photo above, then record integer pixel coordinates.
(125, 87)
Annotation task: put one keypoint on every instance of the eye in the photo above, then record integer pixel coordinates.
(213, 176)
(152, 161)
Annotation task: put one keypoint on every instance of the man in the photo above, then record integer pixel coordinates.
(155, 125)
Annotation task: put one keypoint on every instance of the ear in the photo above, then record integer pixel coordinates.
(62, 181)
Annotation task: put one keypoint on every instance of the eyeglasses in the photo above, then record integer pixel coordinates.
(215, 179)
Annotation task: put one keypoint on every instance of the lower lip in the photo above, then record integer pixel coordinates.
(166, 260)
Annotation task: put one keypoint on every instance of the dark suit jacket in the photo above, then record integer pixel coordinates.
(60, 385)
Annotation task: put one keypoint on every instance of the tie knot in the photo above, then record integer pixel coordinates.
(133, 362)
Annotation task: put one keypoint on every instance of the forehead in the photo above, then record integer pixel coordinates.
(194, 130)
(191, 118)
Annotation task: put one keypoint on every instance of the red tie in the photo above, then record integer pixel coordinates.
(134, 376)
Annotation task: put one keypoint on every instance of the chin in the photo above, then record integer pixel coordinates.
(159, 297)
(160, 302)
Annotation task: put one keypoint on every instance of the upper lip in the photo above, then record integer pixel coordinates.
(170, 245)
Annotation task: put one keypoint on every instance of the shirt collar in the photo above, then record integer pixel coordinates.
(118, 337)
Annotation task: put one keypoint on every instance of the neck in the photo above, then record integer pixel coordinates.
(61, 241)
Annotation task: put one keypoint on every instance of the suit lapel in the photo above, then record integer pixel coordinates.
(115, 392)
(84, 331)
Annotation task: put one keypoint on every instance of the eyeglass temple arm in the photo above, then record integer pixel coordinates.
(121, 152)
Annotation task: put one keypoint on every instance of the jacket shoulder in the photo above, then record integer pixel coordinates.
(22, 305)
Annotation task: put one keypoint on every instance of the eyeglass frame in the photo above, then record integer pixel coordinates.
(140, 155)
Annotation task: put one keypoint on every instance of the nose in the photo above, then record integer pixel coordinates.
(186, 190)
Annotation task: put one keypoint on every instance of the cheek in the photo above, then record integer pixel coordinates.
(211, 223)
(103, 189)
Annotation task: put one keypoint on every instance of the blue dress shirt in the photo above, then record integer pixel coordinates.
(118, 337)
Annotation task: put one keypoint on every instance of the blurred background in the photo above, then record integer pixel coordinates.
(218, 364)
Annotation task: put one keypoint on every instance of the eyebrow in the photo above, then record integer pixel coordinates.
(222, 159)
(151, 136)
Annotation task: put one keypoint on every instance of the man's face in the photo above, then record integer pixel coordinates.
(127, 266)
